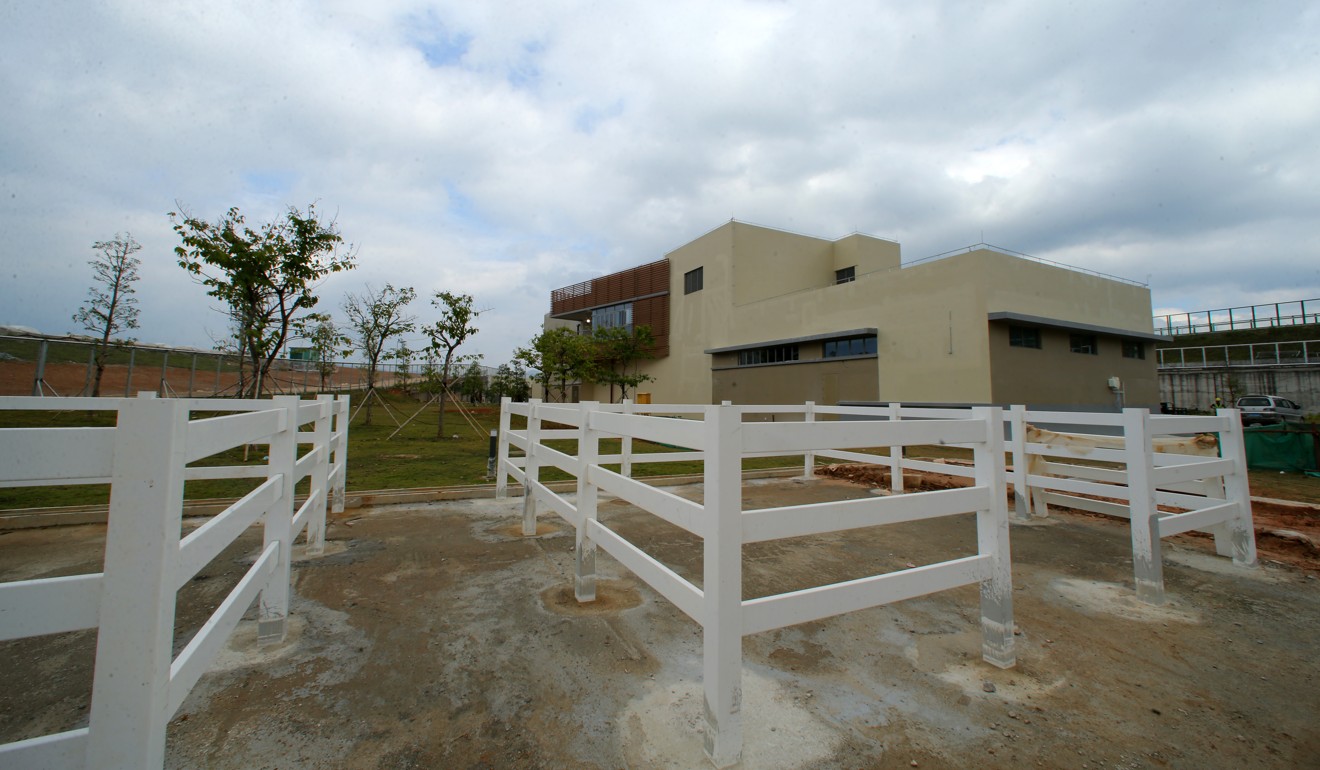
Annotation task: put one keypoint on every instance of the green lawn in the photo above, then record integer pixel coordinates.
(414, 458)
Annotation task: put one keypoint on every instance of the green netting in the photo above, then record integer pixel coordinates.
(1281, 447)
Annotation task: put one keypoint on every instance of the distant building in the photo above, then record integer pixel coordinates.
(757, 315)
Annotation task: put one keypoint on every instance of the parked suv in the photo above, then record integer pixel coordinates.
(1262, 410)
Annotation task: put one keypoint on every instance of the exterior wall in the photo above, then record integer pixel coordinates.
(1196, 388)
(934, 344)
(1038, 377)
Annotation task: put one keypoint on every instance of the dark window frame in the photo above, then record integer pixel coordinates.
(694, 280)
(1024, 337)
(1086, 344)
(845, 275)
(849, 347)
(1135, 349)
(770, 354)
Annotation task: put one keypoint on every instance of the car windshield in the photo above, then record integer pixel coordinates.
(1254, 401)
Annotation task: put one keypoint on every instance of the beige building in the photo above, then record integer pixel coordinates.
(760, 316)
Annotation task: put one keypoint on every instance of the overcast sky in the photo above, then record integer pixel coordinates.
(506, 149)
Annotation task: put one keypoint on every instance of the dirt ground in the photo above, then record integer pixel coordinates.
(434, 636)
(16, 378)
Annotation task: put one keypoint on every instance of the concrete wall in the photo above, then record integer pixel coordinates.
(1036, 377)
(1197, 388)
(763, 285)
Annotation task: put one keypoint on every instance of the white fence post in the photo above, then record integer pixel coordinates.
(532, 467)
(722, 586)
(1147, 564)
(341, 454)
(502, 453)
(584, 549)
(274, 603)
(625, 444)
(1242, 535)
(992, 539)
(809, 458)
(320, 476)
(130, 690)
(1021, 491)
(895, 453)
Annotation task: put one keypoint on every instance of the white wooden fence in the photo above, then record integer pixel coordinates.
(1151, 461)
(721, 438)
(137, 684)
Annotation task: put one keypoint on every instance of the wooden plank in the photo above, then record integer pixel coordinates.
(1203, 519)
(195, 658)
(216, 434)
(1119, 510)
(556, 503)
(659, 430)
(1077, 453)
(49, 605)
(1172, 425)
(207, 541)
(1077, 486)
(305, 512)
(56, 456)
(674, 509)
(855, 457)
(1074, 418)
(66, 749)
(1090, 473)
(797, 437)
(771, 612)
(965, 471)
(665, 581)
(818, 518)
(1175, 474)
(226, 472)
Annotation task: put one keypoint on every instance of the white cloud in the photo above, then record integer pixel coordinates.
(508, 149)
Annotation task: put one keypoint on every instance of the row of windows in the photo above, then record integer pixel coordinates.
(861, 345)
(771, 354)
(1029, 337)
(614, 316)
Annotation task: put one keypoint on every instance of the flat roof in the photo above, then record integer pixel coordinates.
(1057, 323)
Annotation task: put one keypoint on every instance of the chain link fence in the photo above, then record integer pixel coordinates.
(56, 366)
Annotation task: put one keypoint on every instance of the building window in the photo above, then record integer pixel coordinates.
(771, 354)
(613, 317)
(862, 345)
(1133, 349)
(1083, 343)
(692, 281)
(1024, 337)
(845, 275)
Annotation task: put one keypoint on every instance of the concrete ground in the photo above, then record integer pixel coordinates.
(435, 636)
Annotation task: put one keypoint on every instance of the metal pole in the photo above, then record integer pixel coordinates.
(39, 380)
(164, 383)
(490, 456)
(128, 381)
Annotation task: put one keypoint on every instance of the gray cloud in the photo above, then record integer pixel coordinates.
(507, 149)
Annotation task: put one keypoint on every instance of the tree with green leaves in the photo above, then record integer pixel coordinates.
(111, 307)
(376, 317)
(452, 329)
(617, 351)
(560, 355)
(328, 344)
(266, 275)
(510, 380)
(473, 383)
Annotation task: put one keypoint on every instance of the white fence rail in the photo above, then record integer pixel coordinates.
(721, 437)
(1155, 461)
(137, 684)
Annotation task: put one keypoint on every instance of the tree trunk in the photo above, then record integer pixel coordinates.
(440, 424)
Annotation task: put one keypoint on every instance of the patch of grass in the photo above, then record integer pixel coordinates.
(415, 458)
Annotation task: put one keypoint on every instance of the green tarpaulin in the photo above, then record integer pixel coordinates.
(1281, 447)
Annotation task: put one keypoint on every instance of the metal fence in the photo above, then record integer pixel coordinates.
(45, 366)
(1245, 354)
(1264, 316)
